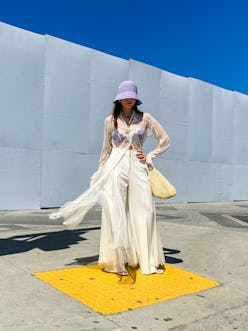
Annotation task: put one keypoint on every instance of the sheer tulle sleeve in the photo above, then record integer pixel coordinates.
(155, 129)
(107, 145)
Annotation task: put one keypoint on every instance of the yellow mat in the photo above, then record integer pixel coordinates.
(109, 293)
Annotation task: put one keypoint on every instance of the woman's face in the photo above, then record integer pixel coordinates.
(128, 103)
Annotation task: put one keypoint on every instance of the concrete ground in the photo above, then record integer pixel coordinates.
(210, 239)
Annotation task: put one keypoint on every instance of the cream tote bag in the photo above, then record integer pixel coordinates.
(161, 187)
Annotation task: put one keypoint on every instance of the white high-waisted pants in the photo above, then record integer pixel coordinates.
(129, 232)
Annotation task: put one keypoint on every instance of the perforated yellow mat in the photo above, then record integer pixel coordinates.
(109, 293)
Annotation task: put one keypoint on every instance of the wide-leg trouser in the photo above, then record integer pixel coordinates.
(129, 232)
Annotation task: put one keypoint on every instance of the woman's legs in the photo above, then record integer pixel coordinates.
(142, 220)
(129, 231)
(114, 237)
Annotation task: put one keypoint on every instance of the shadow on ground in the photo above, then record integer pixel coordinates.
(85, 260)
(171, 259)
(46, 241)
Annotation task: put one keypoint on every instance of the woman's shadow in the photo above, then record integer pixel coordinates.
(46, 241)
(171, 259)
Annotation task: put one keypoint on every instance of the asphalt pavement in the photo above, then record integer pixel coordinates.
(209, 239)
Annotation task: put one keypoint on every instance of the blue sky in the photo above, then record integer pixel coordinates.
(204, 39)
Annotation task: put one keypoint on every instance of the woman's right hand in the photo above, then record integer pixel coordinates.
(141, 156)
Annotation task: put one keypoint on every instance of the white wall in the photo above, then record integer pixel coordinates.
(54, 96)
(21, 110)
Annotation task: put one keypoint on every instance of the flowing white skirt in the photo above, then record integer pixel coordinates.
(129, 232)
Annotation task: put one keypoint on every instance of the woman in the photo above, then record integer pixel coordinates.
(129, 234)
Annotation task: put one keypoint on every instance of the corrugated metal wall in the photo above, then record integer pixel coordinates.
(54, 96)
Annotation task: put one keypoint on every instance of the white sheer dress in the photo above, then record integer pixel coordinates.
(129, 233)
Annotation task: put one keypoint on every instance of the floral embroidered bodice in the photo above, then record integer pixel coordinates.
(133, 134)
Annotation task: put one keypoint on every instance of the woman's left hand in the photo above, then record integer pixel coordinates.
(141, 156)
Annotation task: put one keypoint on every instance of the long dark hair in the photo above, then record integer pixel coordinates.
(117, 110)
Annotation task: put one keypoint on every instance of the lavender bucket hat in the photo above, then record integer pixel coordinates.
(127, 89)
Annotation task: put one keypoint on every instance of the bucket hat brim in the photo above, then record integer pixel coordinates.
(127, 95)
